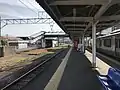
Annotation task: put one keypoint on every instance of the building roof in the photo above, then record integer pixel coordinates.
(10, 38)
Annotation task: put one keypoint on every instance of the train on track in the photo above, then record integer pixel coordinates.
(109, 44)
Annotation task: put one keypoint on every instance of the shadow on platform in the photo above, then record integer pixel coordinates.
(78, 74)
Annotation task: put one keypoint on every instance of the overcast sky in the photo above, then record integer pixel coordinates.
(22, 9)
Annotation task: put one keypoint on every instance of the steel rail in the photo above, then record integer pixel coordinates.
(30, 71)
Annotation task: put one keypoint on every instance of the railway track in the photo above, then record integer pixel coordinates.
(23, 80)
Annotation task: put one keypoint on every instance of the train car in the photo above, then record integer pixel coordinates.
(109, 44)
(76, 42)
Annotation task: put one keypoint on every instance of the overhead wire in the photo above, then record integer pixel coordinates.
(37, 11)
(28, 6)
(34, 10)
(32, 5)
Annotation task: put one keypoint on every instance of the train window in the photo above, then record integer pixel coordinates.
(119, 43)
(116, 43)
(107, 42)
(100, 43)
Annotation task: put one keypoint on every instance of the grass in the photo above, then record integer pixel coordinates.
(19, 61)
(22, 59)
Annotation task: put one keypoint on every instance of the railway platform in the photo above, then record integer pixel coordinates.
(78, 74)
(74, 73)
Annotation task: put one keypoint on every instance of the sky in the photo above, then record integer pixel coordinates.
(23, 9)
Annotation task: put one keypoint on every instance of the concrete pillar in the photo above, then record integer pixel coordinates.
(63, 41)
(58, 42)
(43, 43)
(93, 44)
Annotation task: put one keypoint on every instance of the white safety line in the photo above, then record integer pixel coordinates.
(55, 80)
(102, 67)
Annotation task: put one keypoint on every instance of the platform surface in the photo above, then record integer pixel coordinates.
(78, 74)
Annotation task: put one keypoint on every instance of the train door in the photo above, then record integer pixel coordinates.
(76, 41)
(117, 46)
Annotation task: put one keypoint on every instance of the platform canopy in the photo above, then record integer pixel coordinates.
(75, 17)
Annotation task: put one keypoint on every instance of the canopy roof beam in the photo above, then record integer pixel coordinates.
(79, 2)
(102, 11)
(84, 2)
(75, 29)
(90, 19)
(83, 25)
(76, 19)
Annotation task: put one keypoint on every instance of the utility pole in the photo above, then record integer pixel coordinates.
(0, 30)
(0, 26)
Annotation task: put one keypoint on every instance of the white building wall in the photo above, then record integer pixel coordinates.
(21, 46)
(54, 43)
(43, 43)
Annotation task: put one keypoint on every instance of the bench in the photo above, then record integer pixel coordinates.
(111, 81)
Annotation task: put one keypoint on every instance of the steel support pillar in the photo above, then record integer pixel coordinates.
(79, 40)
(79, 44)
(83, 43)
(86, 42)
(93, 44)
(89, 41)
